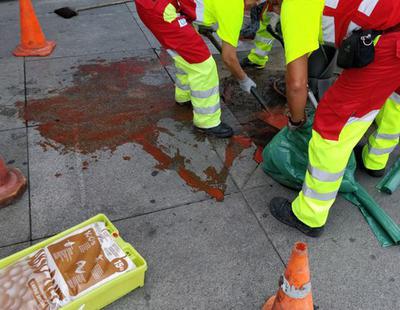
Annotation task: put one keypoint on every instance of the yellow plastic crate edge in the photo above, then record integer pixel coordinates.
(140, 270)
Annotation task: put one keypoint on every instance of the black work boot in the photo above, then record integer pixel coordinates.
(184, 104)
(281, 209)
(221, 131)
(373, 173)
(247, 63)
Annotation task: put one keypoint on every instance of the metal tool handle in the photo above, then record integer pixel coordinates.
(312, 98)
(214, 41)
(275, 35)
(209, 34)
(102, 5)
(259, 98)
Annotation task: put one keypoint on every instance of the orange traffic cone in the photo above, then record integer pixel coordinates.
(33, 41)
(294, 286)
(12, 184)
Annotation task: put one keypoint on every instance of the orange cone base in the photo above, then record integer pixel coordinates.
(268, 305)
(13, 188)
(46, 50)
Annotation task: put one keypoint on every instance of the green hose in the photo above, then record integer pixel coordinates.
(391, 182)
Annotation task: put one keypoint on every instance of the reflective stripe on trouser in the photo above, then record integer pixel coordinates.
(182, 88)
(263, 42)
(385, 139)
(327, 162)
(200, 84)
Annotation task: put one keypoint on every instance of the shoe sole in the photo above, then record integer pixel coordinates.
(202, 131)
(183, 104)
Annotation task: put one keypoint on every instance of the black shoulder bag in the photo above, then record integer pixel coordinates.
(357, 50)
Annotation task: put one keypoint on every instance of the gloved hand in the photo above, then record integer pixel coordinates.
(246, 84)
(296, 125)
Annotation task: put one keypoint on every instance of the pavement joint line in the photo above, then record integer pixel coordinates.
(27, 155)
(263, 229)
(14, 244)
(168, 208)
(255, 215)
(126, 218)
(36, 59)
(165, 68)
(11, 129)
(256, 187)
(31, 126)
(129, 217)
(136, 22)
(250, 175)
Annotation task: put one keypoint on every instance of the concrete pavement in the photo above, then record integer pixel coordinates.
(95, 129)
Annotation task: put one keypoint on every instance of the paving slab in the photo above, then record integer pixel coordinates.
(11, 91)
(205, 255)
(85, 34)
(14, 219)
(9, 250)
(349, 268)
(9, 34)
(113, 115)
(9, 10)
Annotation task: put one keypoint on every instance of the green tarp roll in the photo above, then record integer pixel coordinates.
(391, 182)
(286, 159)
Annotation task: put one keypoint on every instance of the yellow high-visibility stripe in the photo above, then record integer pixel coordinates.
(170, 13)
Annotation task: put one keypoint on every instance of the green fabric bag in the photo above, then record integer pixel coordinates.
(286, 159)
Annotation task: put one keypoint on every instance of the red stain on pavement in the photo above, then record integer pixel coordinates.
(244, 141)
(215, 185)
(260, 125)
(113, 103)
(258, 157)
(164, 57)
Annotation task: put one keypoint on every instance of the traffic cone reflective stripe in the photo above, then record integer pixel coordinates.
(294, 291)
(33, 41)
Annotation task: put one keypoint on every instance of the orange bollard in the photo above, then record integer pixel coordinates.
(12, 184)
(33, 41)
(294, 291)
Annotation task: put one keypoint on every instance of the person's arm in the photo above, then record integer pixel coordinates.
(301, 28)
(229, 25)
(230, 59)
(296, 87)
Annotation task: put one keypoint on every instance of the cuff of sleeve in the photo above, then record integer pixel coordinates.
(228, 40)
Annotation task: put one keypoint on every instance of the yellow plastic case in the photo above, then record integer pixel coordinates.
(107, 293)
